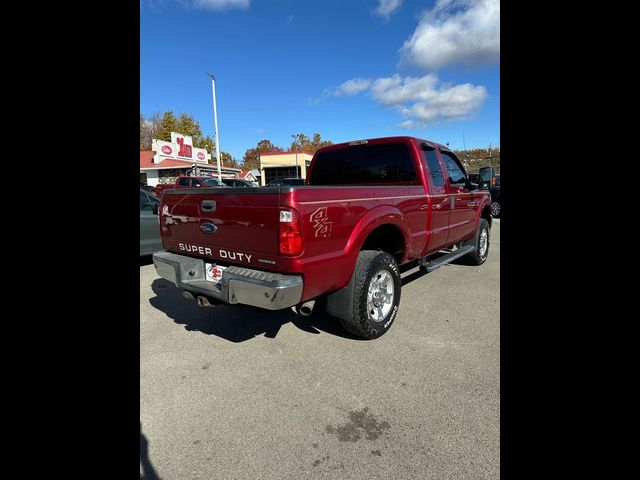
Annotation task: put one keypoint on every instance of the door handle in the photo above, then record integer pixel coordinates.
(424, 206)
(208, 205)
(471, 204)
(436, 206)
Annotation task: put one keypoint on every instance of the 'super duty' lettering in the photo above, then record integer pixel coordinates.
(234, 255)
(242, 257)
(194, 249)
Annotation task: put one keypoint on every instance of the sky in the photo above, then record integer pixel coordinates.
(347, 69)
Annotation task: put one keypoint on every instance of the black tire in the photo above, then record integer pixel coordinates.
(477, 256)
(496, 209)
(360, 322)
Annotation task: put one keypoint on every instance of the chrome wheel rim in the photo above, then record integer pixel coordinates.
(380, 296)
(495, 209)
(484, 243)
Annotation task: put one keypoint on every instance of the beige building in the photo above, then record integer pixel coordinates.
(274, 165)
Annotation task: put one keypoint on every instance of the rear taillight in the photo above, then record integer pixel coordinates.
(290, 237)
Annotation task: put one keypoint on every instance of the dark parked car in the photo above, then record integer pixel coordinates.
(238, 183)
(489, 180)
(148, 188)
(150, 239)
(286, 181)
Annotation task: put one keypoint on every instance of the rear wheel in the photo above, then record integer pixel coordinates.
(376, 295)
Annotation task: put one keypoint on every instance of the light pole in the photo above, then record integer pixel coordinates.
(296, 139)
(215, 121)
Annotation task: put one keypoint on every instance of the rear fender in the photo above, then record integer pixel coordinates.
(374, 218)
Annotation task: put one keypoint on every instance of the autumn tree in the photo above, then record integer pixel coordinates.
(302, 142)
(251, 158)
(226, 160)
(477, 158)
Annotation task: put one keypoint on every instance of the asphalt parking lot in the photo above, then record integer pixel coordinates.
(241, 393)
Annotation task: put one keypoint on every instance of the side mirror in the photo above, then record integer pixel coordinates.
(487, 175)
(471, 186)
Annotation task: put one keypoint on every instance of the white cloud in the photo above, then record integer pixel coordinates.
(351, 87)
(463, 32)
(386, 7)
(221, 4)
(425, 100)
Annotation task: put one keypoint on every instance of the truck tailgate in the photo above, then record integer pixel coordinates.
(235, 225)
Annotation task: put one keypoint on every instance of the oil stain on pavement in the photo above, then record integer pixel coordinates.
(361, 424)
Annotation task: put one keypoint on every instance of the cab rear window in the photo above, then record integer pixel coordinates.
(364, 164)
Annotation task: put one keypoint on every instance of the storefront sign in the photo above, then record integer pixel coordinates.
(179, 148)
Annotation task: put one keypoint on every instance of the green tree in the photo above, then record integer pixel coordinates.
(167, 124)
(302, 142)
(163, 125)
(251, 158)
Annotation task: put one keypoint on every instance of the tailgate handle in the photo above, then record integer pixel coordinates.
(208, 205)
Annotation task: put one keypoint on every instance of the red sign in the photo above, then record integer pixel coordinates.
(166, 149)
(201, 155)
(185, 150)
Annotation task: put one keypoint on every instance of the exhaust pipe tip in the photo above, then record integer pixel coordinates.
(204, 302)
(306, 309)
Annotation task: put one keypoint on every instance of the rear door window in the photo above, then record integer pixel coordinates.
(437, 178)
(364, 164)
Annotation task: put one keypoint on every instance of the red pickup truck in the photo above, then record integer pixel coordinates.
(189, 182)
(367, 207)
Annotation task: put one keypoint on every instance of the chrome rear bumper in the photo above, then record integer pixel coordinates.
(269, 290)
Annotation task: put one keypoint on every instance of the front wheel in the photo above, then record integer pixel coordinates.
(481, 244)
(495, 209)
(376, 295)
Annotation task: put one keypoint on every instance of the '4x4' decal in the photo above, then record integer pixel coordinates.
(322, 225)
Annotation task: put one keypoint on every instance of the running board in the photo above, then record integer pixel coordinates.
(438, 262)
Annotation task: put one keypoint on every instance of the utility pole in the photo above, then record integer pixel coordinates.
(296, 140)
(215, 122)
(466, 157)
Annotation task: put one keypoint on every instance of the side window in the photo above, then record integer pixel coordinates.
(456, 175)
(144, 202)
(434, 167)
(194, 183)
(183, 181)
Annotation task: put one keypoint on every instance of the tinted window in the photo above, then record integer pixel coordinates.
(434, 167)
(293, 181)
(144, 202)
(212, 182)
(455, 173)
(498, 180)
(183, 181)
(389, 162)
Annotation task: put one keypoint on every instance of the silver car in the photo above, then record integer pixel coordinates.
(150, 240)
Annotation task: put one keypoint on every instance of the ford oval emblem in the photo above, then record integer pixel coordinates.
(208, 228)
